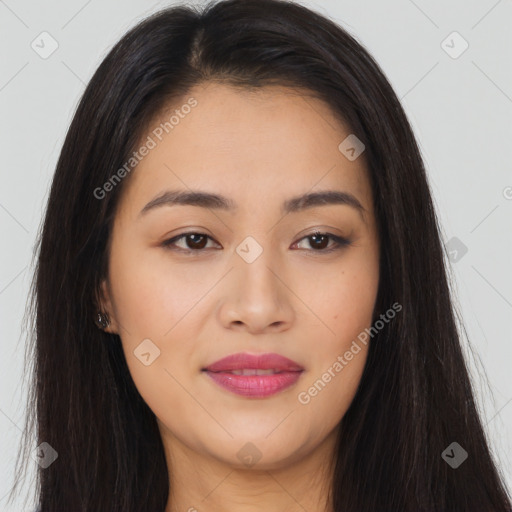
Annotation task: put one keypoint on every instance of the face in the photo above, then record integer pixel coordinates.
(244, 272)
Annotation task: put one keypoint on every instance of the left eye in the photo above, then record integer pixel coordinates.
(320, 240)
(196, 242)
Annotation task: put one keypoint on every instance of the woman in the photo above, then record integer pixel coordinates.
(241, 301)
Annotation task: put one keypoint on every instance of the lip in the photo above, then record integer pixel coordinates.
(255, 386)
(244, 360)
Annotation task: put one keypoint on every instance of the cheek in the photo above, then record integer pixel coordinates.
(340, 298)
(343, 301)
(149, 302)
(150, 305)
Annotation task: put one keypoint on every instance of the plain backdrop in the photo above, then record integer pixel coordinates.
(458, 99)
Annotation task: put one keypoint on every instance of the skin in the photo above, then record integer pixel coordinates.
(257, 148)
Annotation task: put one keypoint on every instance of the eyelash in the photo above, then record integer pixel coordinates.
(340, 242)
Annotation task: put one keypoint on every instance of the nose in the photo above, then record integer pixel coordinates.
(256, 298)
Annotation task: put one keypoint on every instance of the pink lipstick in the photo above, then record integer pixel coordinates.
(255, 376)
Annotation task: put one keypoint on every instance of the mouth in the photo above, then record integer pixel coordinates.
(251, 371)
(255, 376)
(244, 361)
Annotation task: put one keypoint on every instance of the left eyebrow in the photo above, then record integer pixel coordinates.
(219, 202)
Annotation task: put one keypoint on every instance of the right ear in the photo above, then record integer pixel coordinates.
(104, 305)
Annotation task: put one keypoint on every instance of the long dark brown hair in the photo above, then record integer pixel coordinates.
(415, 397)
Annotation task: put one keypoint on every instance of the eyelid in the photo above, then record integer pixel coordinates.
(167, 244)
(339, 242)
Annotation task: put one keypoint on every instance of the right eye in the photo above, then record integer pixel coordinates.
(195, 242)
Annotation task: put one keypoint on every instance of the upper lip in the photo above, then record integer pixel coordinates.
(241, 361)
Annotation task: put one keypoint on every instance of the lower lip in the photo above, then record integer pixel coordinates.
(255, 386)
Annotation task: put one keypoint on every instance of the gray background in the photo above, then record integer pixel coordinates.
(460, 108)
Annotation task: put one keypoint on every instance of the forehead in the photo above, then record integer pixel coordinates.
(265, 142)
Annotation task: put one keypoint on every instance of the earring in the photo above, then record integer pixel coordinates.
(102, 320)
